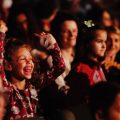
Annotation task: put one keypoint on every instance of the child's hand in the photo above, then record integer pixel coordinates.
(46, 40)
(3, 27)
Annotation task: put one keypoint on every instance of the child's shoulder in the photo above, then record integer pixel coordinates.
(83, 67)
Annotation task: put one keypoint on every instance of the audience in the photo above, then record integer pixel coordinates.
(22, 94)
(65, 30)
(112, 61)
(88, 70)
(86, 38)
(100, 16)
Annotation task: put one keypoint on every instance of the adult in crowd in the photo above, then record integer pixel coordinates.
(111, 64)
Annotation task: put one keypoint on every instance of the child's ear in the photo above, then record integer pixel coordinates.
(7, 65)
(99, 115)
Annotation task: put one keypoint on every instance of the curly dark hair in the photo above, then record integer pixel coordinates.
(12, 45)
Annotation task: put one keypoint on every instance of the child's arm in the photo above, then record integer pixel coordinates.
(58, 67)
(3, 29)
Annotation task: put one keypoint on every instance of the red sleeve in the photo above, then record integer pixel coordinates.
(56, 70)
(4, 82)
(2, 37)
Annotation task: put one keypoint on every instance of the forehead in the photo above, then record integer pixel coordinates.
(21, 51)
(106, 14)
(101, 33)
(114, 34)
(69, 23)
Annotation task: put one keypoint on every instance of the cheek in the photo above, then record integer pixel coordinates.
(76, 33)
(94, 48)
(64, 38)
(114, 115)
(21, 66)
(18, 67)
(118, 46)
(33, 65)
(64, 41)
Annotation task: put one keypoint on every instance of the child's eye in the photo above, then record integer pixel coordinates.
(116, 40)
(25, 58)
(21, 59)
(99, 40)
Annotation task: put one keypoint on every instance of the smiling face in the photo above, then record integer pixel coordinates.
(113, 42)
(69, 32)
(22, 65)
(98, 45)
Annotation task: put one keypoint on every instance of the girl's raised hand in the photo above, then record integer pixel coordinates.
(3, 27)
(46, 40)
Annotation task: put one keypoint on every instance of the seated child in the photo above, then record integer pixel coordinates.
(19, 65)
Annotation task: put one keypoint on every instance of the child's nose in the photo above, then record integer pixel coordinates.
(28, 60)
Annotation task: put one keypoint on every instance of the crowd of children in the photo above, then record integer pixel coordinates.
(59, 65)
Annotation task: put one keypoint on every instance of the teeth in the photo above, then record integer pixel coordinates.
(28, 69)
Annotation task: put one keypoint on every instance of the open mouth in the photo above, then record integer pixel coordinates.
(28, 70)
